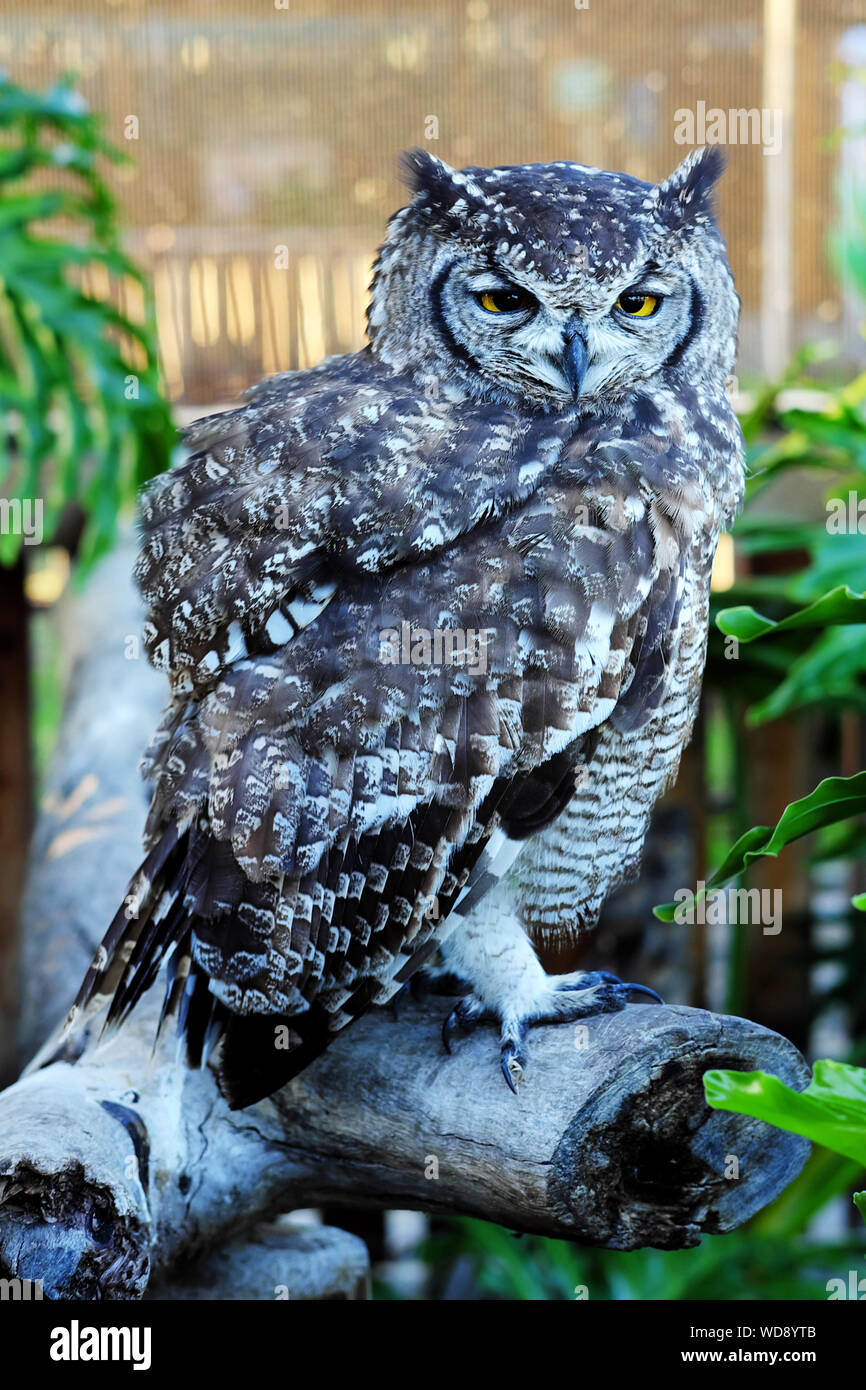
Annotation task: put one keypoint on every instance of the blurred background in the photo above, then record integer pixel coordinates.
(259, 125)
(191, 196)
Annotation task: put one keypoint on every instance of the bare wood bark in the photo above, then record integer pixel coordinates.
(15, 782)
(87, 840)
(116, 1166)
(610, 1144)
(274, 1264)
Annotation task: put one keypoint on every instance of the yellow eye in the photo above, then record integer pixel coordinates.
(505, 301)
(638, 306)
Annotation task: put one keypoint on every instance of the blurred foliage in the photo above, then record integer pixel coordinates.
(475, 1259)
(47, 687)
(800, 633)
(82, 413)
(790, 638)
(847, 239)
(794, 635)
(831, 1111)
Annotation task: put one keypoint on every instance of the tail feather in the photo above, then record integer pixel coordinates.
(177, 975)
(112, 957)
(200, 1015)
(153, 928)
(167, 923)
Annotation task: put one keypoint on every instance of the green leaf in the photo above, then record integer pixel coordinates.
(829, 672)
(839, 606)
(831, 1111)
(824, 1177)
(834, 799)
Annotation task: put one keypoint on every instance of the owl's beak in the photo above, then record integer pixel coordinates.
(576, 358)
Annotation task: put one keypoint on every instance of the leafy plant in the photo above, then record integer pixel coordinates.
(80, 406)
(831, 1111)
(492, 1263)
(836, 799)
(813, 658)
(800, 635)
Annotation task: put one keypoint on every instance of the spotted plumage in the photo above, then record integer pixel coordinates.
(535, 446)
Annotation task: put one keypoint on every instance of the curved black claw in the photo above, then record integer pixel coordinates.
(609, 992)
(644, 989)
(397, 1000)
(466, 1016)
(570, 998)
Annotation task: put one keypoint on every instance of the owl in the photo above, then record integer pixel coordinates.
(434, 616)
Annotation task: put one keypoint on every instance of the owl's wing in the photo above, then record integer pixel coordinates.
(313, 799)
(343, 469)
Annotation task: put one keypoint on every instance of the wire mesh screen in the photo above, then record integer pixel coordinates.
(264, 135)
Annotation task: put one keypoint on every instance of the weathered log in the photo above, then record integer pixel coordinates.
(87, 841)
(116, 1166)
(273, 1263)
(610, 1143)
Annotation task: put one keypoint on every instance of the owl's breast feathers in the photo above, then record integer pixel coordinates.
(324, 770)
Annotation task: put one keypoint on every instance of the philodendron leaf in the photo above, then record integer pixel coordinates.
(860, 1203)
(840, 605)
(834, 799)
(831, 1111)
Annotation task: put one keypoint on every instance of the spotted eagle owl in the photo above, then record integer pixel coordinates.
(434, 619)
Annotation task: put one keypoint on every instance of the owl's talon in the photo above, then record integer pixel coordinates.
(563, 999)
(644, 989)
(466, 1016)
(606, 992)
(583, 980)
(396, 1000)
(512, 1063)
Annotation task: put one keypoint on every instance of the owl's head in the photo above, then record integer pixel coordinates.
(543, 284)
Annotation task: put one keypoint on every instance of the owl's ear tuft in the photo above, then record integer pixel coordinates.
(447, 197)
(687, 195)
(423, 172)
